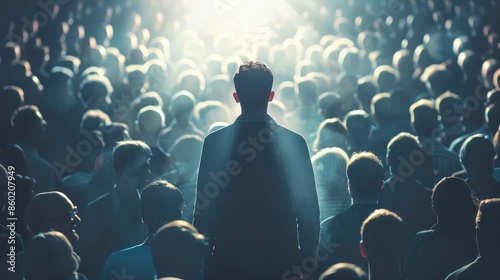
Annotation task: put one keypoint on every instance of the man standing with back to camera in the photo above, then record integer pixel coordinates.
(256, 197)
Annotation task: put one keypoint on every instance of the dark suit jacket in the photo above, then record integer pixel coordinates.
(108, 225)
(256, 200)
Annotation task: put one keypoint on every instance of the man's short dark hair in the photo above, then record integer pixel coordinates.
(384, 235)
(452, 198)
(178, 250)
(424, 118)
(253, 82)
(125, 151)
(161, 202)
(477, 155)
(487, 225)
(25, 119)
(365, 173)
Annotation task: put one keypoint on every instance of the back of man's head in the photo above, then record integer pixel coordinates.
(253, 82)
(477, 155)
(452, 200)
(365, 173)
(488, 227)
(150, 120)
(381, 109)
(178, 251)
(127, 151)
(307, 92)
(424, 118)
(384, 237)
(161, 203)
(400, 148)
(27, 122)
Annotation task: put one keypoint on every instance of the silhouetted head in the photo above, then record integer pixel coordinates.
(383, 238)
(253, 82)
(477, 155)
(452, 200)
(424, 118)
(386, 78)
(178, 251)
(131, 163)
(365, 174)
(488, 228)
(94, 92)
(161, 203)
(94, 119)
(492, 116)
(437, 80)
(28, 123)
(381, 108)
(53, 211)
(358, 124)
(182, 105)
(50, 255)
(150, 121)
(331, 133)
(366, 90)
(330, 105)
(449, 106)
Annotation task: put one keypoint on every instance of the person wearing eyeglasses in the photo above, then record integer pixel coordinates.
(53, 211)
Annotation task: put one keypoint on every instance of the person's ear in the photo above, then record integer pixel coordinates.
(362, 249)
(236, 98)
(271, 96)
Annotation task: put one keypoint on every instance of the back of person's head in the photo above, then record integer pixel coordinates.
(52, 211)
(452, 200)
(488, 228)
(114, 133)
(94, 92)
(330, 105)
(366, 90)
(492, 116)
(381, 109)
(126, 152)
(93, 119)
(384, 237)
(493, 96)
(329, 167)
(447, 105)
(358, 124)
(150, 120)
(386, 78)
(437, 80)
(253, 82)
(344, 271)
(424, 118)
(192, 81)
(286, 93)
(331, 133)
(365, 174)
(28, 123)
(178, 251)
(11, 98)
(50, 255)
(477, 155)
(306, 91)
(187, 149)
(182, 104)
(403, 62)
(161, 203)
(208, 112)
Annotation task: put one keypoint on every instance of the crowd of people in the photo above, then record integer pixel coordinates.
(106, 108)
